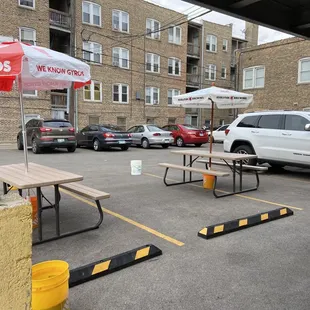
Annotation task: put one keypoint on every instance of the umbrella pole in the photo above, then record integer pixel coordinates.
(22, 114)
(211, 142)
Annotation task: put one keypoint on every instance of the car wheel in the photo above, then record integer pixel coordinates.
(124, 148)
(145, 143)
(35, 148)
(198, 144)
(71, 149)
(179, 142)
(96, 145)
(245, 149)
(165, 146)
(19, 144)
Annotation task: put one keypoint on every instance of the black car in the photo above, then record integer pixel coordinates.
(103, 136)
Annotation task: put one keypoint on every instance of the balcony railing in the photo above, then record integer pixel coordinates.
(60, 19)
(59, 101)
(193, 80)
(193, 49)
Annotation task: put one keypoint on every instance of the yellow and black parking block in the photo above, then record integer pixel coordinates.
(242, 223)
(106, 266)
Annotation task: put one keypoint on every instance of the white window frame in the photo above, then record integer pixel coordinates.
(174, 32)
(152, 95)
(26, 6)
(152, 34)
(174, 60)
(91, 6)
(254, 70)
(34, 34)
(225, 71)
(153, 56)
(120, 93)
(209, 40)
(91, 51)
(175, 92)
(225, 45)
(92, 92)
(121, 14)
(120, 58)
(31, 95)
(306, 59)
(210, 67)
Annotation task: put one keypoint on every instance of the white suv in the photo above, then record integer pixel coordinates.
(280, 138)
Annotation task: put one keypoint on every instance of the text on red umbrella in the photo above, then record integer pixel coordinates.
(58, 70)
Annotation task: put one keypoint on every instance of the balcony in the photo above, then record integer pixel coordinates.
(193, 50)
(60, 19)
(193, 80)
(59, 101)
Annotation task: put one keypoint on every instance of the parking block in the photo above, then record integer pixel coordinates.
(106, 266)
(242, 223)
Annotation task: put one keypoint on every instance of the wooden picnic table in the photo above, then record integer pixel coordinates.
(38, 176)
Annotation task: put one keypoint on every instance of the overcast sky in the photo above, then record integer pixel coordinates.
(265, 34)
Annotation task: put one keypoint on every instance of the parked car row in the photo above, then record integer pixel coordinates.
(54, 133)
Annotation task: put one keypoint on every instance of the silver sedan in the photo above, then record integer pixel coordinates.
(146, 135)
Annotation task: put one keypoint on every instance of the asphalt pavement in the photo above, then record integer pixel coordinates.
(262, 267)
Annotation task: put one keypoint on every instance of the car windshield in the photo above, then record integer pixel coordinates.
(56, 124)
(153, 128)
(190, 127)
(110, 128)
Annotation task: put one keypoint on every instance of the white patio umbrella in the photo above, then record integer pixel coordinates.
(38, 68)
(213, 96)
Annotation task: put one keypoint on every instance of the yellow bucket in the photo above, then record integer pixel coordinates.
(50, 285)
(208, 181)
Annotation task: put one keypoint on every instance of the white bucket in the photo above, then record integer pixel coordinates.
(136, 167)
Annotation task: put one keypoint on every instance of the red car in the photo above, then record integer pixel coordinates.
(187, 134)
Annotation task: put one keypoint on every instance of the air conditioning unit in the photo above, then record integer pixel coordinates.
(115, 63)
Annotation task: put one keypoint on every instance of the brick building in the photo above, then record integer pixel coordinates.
(135, 70)
(277, 73)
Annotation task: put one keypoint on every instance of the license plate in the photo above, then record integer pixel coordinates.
(61, 140)
(121, 142)
(201, 134)
(167, 141)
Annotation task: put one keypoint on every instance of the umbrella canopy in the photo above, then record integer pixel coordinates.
(38, 68)
(222, 98)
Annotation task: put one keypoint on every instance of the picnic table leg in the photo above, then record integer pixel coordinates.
(240, 175)
(39, 200)
(184, 164)
(5, 188)
(56, 187)
(190, 164)
(234, 176)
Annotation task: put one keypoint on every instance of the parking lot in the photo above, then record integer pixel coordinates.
(263, 267)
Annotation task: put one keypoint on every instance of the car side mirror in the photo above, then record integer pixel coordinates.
(307, 127)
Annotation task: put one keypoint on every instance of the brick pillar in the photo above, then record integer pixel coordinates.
(15, 252)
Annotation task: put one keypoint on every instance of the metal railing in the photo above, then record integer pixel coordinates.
(60, 19)
(58, 101)
(193, 49)
(193, 80)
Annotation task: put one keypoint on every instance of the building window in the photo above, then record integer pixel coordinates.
(304, 70)
(27, 35)
(211, 43)
(172, 93)
(93, 120)
(172, 120)
(120, 93)
(27, 3)
(225, 45)
(223, 72)
(150, 120)
(254, 77)
(91, 13)
(174, 35)
(92, 52)
(174, 66)
(120, 57)
(30, 93)
(210, 73)
(152, 95)
(152, 29)
(93, 91)
(120, 21)
(152, 62)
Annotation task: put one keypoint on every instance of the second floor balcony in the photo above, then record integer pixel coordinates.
(193, 50)
(193, 80)
(60, 19)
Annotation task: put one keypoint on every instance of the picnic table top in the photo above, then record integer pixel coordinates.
(218, 155)
(37, 176)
